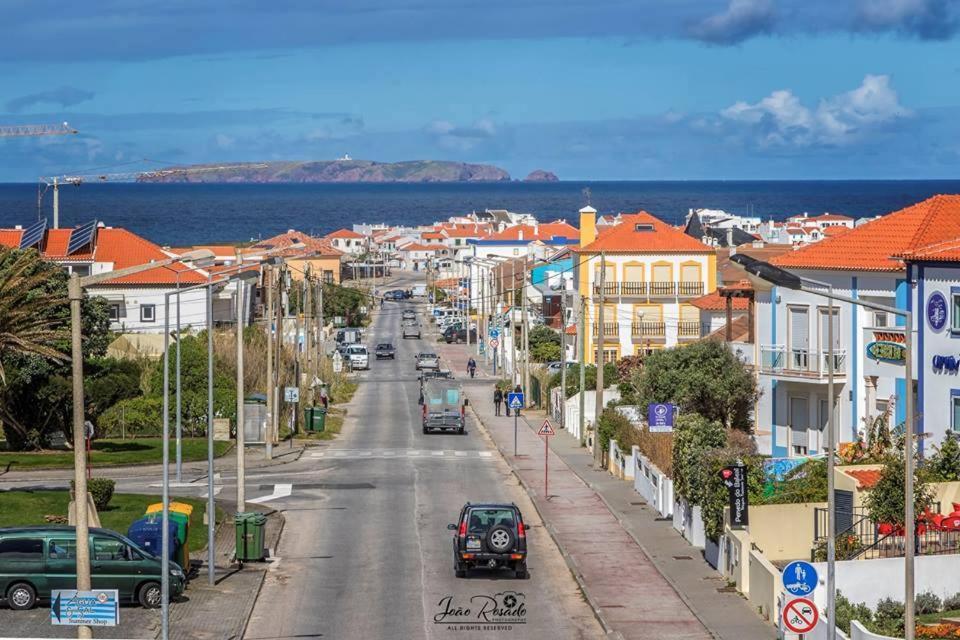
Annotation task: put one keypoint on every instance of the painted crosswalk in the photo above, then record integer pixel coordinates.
(384, 454)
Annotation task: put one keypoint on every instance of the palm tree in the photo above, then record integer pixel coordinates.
(33, 318)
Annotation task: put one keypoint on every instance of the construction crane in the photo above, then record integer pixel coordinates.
(55, 182)
(22, 130)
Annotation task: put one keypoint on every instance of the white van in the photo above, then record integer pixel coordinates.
(358, 356)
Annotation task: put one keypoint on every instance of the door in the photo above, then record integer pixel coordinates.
(62, 562)
(799, 338)
(799, 424)
(114, 566)
(825, 333)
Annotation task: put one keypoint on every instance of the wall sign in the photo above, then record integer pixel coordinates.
(946, 364)
(660, 417)
(937, 311)
(735, 479)
(888, 346)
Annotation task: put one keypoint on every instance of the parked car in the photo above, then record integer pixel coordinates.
(358, 356)
(455, 334)
(444, 406)
(554, 367)
(411, 331)
(427, 360)
(385, 350)
(394, 294)
(489, 536)
(34, 561)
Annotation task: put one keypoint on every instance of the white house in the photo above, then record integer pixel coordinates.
(348, 241)
(417, 256)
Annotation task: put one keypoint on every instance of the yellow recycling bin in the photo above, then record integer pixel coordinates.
(180, 513)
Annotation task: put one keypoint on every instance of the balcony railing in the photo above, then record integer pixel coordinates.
(650, 289)
(690, 329)
(798, 362)
(648, 329)
(610, 329)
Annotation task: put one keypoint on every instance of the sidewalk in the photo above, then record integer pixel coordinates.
(221, 612)
(640, 576)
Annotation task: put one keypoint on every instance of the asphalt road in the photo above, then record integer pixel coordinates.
(365, 552)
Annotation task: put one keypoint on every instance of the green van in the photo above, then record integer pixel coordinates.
(37, 560)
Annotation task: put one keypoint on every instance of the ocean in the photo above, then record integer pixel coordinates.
(181, 214)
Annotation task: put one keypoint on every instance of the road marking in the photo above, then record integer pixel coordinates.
(413, 452)
(366, 453)
(485, 454)
(279, 491)
(439, 453)
(460, 454)
(216, 491)
(397, 454)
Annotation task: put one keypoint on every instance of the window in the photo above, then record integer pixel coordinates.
(148, 313)
(880, 318)
(662, 273)
(115, 312)
(955, 316)
(516, 252)
(21, 549)
(799, 329)
(609, 355)
(106, 549)
(328, 277)
(799, 450)
(62, 549)
(955, 410)
(690, 273)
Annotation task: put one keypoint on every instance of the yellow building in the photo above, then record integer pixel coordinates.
(652, 273)
(317, 254)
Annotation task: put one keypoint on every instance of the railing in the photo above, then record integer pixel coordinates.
(690, 289)
(650, 289)
(610, 329)
(864, 539)
(777, 359)
(662, 288)
(691, 329)
(609, 288)
(648, 329)
(633, 288)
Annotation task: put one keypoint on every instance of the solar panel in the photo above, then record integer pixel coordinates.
(33, 236)
(81, 237)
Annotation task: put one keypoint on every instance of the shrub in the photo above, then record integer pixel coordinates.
(100, 489)
(927, 602)
(888, 619)
(951, 603)
(693, 437)
(133, 417)
(612, 423)
(847, 545)
(885, 501)
(848, 611)
(944, 465)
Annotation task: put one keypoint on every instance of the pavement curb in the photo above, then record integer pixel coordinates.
(571, 564)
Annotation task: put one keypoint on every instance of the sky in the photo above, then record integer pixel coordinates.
(588, 89)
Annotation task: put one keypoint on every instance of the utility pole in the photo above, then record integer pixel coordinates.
(268, 280)
(466, 272)
(281, 281)
(582, 347)
(295, 423)
(563, 357)
(320, 341)
(597, 451)
(513, 329)
(241, 437)
(308, 331)
(525, 336)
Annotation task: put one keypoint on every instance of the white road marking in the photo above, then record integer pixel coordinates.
(439, 453)
(216, 491)
(460, 454)
(279, 491)
(486, 454)
(413, 452)
(367, 454)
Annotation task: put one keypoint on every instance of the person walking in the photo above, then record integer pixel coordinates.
(497, 401)
(471, 367)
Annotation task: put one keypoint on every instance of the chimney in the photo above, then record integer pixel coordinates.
(730, 237)
(588, 225)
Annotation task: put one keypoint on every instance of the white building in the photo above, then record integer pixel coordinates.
(348, 241)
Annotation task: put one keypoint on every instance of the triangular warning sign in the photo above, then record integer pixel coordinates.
(546, 429)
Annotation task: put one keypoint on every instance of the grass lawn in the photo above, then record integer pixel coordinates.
(934, 618)
(24, 507)
(112, 452)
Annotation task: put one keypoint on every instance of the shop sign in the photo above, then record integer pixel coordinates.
(937, 311)
(888, 346)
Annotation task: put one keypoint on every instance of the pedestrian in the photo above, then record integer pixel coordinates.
(497, 401)
(471, 367)
(324, 398)
(520, 391)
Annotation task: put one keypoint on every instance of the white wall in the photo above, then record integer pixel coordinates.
(936, 385)
(132, 299)
(651, 483)
(572, 418)
(870, 581)
(688, 521)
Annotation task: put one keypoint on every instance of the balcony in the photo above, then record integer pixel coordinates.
(650, 289)
(801, 364)
(648, 329)
(610, 330)
(692, 329)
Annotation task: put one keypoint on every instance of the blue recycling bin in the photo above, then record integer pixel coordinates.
(147, 533)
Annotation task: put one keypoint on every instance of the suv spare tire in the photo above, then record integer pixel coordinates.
(500, 539)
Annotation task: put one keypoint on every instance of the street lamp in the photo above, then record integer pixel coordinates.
(75, 294)
(768, 274)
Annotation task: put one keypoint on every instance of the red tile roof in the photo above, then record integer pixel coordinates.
(830, 216)
(878, 245)
(344, 233)
(311, 246)
(866, 478)
(413, 246)
(715, 302)
(624, 238)
(545, 231)
(838, 230)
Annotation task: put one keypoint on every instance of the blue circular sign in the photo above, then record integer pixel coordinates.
(937, 311)
(799, 578)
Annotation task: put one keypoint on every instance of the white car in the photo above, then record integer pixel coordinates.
(358, 356)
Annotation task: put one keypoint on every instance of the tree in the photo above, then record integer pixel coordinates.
(693, 437)
(35, 390)
(704, 378)
(544, 344)
(344, 302)
(944, 465)
(885, 501)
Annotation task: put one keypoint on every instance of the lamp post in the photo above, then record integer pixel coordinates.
(769, 274)
(75, 289)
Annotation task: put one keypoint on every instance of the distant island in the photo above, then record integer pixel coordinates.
(541, 176)
(415, 171)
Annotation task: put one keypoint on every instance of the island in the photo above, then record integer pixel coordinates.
(539, 175)
(321, 171)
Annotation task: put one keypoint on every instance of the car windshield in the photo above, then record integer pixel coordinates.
(481, 520)
(384, 345)
(427, 356)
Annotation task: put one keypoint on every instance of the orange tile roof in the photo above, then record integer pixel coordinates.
(866, 478)
(715, 302)
(431, 235)
(545, 231)
(879, 244)
(830, 216)
(344, 233)
(624, 238)
(413, 246)
(220, 250)
(739, 331)
(312, 246)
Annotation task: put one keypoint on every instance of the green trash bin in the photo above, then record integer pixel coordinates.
(316, 418)
(250, 536)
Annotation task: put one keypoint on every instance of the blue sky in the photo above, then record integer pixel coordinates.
(601, 89)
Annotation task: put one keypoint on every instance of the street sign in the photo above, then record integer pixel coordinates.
(90, 608)
(660, 417)
(291, 394)
(799, 578)
(515, 400)
(494, 343)
(494, 333)
(546, 429)
(800, 615)
(735, 479)
(337, 362)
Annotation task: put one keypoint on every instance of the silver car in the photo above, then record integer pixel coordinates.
(427, 361)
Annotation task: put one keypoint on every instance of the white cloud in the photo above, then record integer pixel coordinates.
(741, 20)
(782, 119)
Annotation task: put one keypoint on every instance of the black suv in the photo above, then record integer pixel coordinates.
(458, 335)
(490, 536)
(386, 350)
